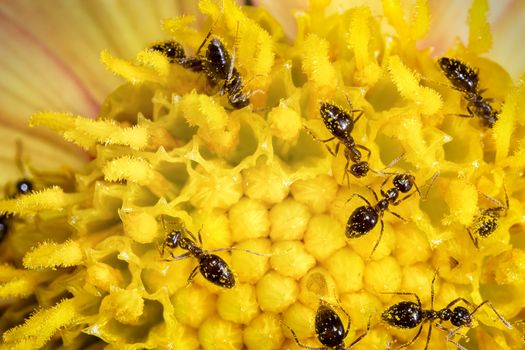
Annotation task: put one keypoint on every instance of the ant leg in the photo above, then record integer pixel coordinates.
(432, 292)
(192, 275)
(457, 300)
(451, 334)
(232, 62)
(378, 240)
(360, 196)
(489, 304)
(361, 113)
(237, 249)
(406, 197)
(429, 333)
(297, 340)
(356, 340)
(366, 150)
(315, 137)
(374, 193)
(473, 239)
(413, 339)
(178, 257)
(398, 216)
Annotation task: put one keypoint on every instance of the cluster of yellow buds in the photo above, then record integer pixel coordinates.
(82, 263)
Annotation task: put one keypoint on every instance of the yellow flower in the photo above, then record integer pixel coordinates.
(92, 257)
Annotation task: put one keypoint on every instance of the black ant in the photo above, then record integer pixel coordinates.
(4, 226)
(340, 123)
(220, 66)
(211, 266)
(465, 79)
(171, 49)
(365, 218)
(487, 221)
(407, 314)
(23, 186)
(330, 330)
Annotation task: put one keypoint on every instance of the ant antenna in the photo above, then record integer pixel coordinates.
(211, 29)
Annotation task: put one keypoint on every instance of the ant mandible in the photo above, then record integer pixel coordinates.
(211, 266)
(365, 218)
(330, 330)
(340, 123)
(409, 315)
(487, 221)
(465, 79)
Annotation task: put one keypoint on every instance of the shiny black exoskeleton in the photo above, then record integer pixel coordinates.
(4, 226)
(487, 221)
(171, 49)
(340, 123)
(219, 68)
(364, 218)
(408, 315)
(465, 79)
(24, 186)
(330, 330)
(211, 266)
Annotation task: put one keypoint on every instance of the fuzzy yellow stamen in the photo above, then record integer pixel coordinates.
(37, 330)
(53, 255)
(86, 132)
(425, 99)
(49, 199)
(480, 37)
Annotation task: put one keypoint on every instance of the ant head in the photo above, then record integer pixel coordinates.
(461, 317)
(359, 169)
(404, 182)
(173, 239)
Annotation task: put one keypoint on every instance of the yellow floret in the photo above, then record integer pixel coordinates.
(126, 306)
(249, 267)
(267, 182)
(376, 280)
(248, 220)
(140, 226)
(285, 123)
(102, 276)
(264, 333)
(239, 304)
(350, 278)
(202, 301)
(288, 220)
(218, 334)
(289, 258)
(317, 193)
(323, 237)
(276, 292)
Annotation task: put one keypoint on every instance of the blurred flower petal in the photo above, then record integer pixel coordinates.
(449, 21)
(50, 61)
